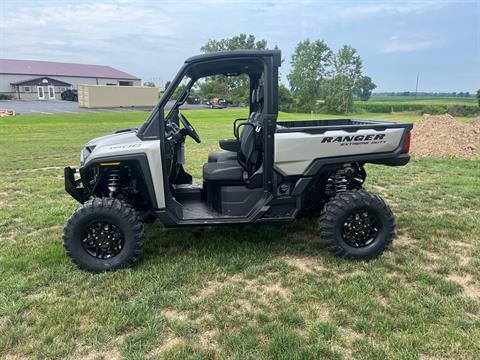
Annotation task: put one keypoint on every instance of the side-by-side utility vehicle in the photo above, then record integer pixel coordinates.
(270, 171)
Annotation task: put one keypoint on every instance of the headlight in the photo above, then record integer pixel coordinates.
(85, 153)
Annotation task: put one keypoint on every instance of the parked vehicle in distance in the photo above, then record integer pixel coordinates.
(69, 95)
(269, 172)
(218, 103)
(193, 100)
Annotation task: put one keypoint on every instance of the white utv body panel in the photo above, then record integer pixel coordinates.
(295, 151)
(127, 143)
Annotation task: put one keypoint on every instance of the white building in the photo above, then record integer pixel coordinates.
(46, 80)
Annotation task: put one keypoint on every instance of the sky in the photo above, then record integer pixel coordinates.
(150, 39)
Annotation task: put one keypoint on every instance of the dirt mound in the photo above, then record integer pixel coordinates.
(443, 136)
(475, 121)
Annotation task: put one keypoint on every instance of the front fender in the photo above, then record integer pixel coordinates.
(136, 162)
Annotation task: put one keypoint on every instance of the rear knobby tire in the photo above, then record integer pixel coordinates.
(339, 217)
(122, 222)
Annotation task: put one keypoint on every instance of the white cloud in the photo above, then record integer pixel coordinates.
(409, 43)
(93, 19)
(53, 28)
(58, 28)
(366, 9)
(328, 12)
(152, 38)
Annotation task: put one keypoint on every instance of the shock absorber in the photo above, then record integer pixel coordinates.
(114, 182)
(345, 179)
(340, 181)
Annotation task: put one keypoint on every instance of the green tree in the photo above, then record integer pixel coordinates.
(211, 89)
(242, 41)
(285, 98)
(347, 66)
(364, 88)
(337, 98)
(233, 88)
(478, 97)
(310, 68)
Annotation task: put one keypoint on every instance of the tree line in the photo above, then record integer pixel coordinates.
(320, 79)
(317, 73)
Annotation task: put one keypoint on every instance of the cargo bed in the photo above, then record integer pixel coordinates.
(302, 147)
(336, 124)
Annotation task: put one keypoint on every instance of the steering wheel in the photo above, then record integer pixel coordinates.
(190, 131)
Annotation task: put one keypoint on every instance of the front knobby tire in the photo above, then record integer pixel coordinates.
(104, 234)
(357, 225)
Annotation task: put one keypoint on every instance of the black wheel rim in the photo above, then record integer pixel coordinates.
(360, 228)
(102, 239)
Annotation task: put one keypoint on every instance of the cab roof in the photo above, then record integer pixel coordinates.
(235, 54)
(230, 62)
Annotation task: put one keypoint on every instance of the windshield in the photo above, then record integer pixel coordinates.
(221, 83)
(179, 96)
(170, 104)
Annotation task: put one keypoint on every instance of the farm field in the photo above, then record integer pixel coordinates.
(259, 292)
(425, 100)
(402, 105)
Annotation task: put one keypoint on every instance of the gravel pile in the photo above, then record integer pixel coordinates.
(443, 136)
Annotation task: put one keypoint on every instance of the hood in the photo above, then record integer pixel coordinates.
(102, 143)
(118, 137)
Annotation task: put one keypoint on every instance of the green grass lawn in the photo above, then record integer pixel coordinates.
(258, 292)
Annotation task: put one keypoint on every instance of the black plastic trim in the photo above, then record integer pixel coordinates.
(301, 185)
(400, 160)
(74, 187)
(170, 219)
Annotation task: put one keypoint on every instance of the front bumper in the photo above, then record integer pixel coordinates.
(75, 187)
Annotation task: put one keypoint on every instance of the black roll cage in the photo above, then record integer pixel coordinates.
(271, 62)
(154, 126)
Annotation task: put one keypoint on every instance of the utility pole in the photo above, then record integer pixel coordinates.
(416, 86)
